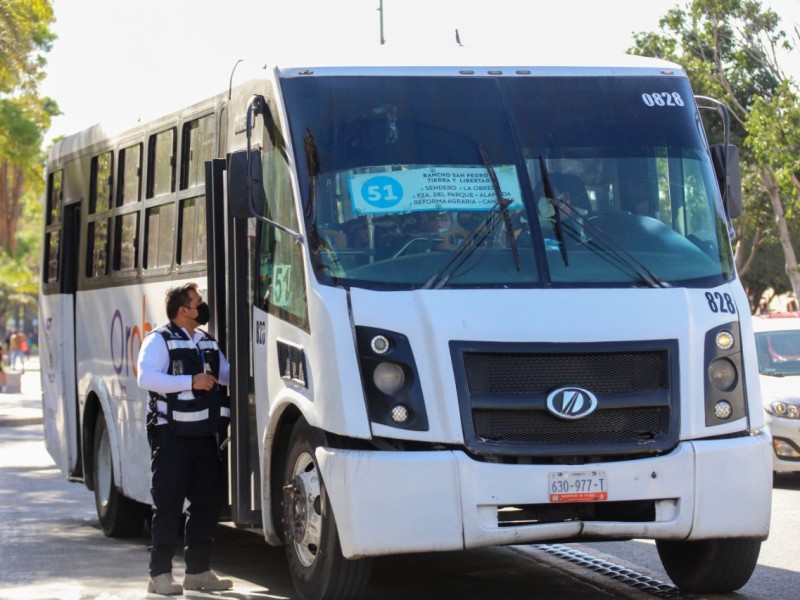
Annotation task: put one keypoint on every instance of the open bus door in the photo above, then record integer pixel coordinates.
(58, 352)
(229, 296)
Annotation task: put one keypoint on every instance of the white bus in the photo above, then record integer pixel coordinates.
(465, 305)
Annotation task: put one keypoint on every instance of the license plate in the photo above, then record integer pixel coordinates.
(582, 486)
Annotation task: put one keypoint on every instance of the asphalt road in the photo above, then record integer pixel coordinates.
(51, 546)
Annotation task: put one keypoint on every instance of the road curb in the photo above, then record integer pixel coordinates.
(22, 422)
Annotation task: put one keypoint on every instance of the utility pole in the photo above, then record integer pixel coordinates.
(380, 10)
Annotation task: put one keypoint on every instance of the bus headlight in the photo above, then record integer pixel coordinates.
(389, 378)
(725, 395)
(392, 389)
(722, 373)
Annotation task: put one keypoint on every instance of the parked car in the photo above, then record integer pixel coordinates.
(778, 345)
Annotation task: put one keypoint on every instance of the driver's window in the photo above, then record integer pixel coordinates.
(281, 272)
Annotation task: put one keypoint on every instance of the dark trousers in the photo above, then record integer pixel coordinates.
(184, 468)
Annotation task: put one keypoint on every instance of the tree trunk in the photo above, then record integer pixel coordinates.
(744, 255)
(12, 187)
(5, 212)
(771, 185)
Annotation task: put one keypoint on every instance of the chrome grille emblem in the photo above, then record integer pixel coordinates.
(571, 402)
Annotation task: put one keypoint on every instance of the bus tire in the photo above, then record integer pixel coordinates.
(709, 566)
(313, 552)
(119, 516)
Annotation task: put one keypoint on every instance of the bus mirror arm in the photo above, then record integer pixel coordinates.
(725, 158)
(246, 194)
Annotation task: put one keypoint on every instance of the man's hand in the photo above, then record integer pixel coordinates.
(203, 381)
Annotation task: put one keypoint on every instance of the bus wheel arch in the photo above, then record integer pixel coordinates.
(90, 411)
(119, 516)
(311, 540)
(276, 446)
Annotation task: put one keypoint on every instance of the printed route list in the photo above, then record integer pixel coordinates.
(431, 188)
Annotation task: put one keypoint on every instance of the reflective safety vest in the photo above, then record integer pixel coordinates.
(190, 412)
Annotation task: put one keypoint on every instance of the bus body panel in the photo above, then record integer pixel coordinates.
(110, 328)
(332, 397)
(60, 408)
(559, 317)
(420, 501)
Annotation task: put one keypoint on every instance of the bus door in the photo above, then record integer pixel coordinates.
(229, 296)
(57, 345)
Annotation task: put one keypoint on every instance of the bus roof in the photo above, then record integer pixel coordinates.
(455, 60)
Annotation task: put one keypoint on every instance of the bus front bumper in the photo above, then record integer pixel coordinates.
(397, 502)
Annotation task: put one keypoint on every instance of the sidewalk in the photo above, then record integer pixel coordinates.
(24, 408)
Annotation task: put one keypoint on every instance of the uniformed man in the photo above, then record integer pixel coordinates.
(183, 368)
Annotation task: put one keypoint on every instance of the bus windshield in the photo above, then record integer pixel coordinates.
(416, 181)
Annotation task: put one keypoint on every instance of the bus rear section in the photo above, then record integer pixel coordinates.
(509, 320)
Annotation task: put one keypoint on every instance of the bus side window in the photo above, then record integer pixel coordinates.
(161, 164)
(159, 235)
(97, 248)
(281, 277)
(126, 241)
(192, 231)
(52, 228)
(129, 178)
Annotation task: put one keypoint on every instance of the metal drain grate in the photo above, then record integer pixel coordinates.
(616, 572)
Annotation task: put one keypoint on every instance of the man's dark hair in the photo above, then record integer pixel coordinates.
(176, 297)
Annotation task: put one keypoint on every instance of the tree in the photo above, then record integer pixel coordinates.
(25, 37)
(24, 117)
(730, 49)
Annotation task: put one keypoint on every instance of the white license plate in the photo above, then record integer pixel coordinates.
(582, 486)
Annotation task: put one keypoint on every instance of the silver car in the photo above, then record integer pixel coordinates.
(778, 345)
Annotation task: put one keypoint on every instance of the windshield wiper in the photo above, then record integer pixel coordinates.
(460, 256)
(503, 204)
(557, 204)
(599, 237)
(478, 235)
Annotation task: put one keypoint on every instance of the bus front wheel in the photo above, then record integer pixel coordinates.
(318, 569)
(119, 516)
(709, 566)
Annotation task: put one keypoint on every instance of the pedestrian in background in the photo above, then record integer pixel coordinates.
(182, 368)
(15, 344)
(3, 376)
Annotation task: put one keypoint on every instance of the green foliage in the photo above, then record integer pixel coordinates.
(774, 127)
(767, 271)
(24, 38)
(730, 49)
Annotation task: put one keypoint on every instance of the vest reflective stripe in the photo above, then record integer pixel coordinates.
(175, 344)
(224, 411)
(207, 345)
(161, 405)
(187, 417)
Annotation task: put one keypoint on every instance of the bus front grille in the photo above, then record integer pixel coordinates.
(503, 391)
(540, 428)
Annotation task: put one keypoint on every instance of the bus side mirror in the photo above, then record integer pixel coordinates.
(732, 191)
(246, 197)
